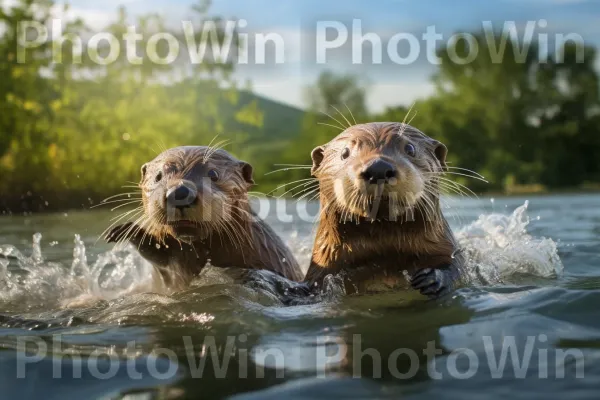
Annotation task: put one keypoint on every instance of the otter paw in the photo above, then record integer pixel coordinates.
(431, 282)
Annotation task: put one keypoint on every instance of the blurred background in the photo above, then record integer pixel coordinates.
(74, 131)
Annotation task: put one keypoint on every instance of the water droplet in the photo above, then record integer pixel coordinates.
(65, 215)
(157, 246)
(283, 260)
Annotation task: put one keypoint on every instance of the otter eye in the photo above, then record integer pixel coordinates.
(410, 149)
(159, 176)
(345, 153)
(213, 175)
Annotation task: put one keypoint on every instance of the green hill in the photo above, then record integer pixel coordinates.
(281, 122)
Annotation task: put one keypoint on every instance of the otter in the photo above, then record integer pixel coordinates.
(195, 210)
(380, 212)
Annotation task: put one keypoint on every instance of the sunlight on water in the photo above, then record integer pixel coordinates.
(499, 247)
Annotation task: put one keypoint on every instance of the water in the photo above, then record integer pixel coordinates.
(78, 320)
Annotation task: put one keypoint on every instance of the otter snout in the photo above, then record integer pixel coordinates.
(183, 195)
(379, 171)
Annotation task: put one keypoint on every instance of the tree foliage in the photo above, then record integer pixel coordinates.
(518, 121)
(73, 131)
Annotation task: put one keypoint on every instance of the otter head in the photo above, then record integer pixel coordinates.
(380, 170)
(190, 192)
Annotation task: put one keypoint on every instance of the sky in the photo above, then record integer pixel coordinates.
(389, 82)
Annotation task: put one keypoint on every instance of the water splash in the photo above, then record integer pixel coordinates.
(498, 248)
(33, 282)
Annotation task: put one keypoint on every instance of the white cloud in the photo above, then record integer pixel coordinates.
(95, 19)
(285, 91)
(379, 96)
(382, 95)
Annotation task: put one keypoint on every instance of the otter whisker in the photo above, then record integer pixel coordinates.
(350, 111)
(411, 119)
(343, 116)
(288, 169)
(117, 219)
(340, 124)
(350, 206)
(430, 206)
(208, 146)
(456, 185)
(333, 126)
(105, 232)
(302, 190)
(126, 204)
(258, 195)
(359, 198)
(460, 174)
(314, 197)
(235, 235)
(404, 124)
(212, 150)
(310, 192)
(467, 170)
(120, 195)
(291, 183)
(449, 190)
(151, 222)
(190, 162)
(453, 189)
(128, 198)
(124, 236)
(115, 201)
(161, 146)
(293, 165)
(120, 217)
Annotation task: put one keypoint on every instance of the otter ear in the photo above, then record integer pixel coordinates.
(144, 168)
(440, 151)
(247, 172)
(317, 157)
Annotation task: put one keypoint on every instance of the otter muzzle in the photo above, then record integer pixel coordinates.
(182, 196)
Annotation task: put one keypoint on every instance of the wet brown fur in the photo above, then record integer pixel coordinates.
(374, 249)
(227, 232)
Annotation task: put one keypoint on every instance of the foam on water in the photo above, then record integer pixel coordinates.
(498, 248)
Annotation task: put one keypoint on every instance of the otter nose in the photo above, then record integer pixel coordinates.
(181, 196)
(378, 171)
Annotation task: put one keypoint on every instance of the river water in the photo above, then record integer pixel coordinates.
(81, 321)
